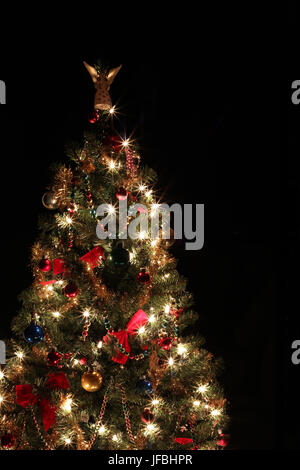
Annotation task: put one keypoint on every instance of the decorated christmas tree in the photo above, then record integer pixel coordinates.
(103, 356)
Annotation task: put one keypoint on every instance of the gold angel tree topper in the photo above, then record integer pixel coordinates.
(102, 82)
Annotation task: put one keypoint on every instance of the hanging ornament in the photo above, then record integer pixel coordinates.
(49, 200)
(7, 440)
(120, 256)
(121, 194)
(93, 117)
(147, 416)
(82, 361)
(45, 265)
(166, 343)
(143, 277)
(34, 333)
(71, 290)
(91, 381)
(144, 386)
(53, 358)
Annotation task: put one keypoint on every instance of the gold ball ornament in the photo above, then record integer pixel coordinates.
(91, 381)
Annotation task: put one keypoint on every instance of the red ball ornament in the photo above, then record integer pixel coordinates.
(45, 265)
(143, 277)
(93, 117)
(7, 440)
(53, 358)
(121, 194)
(71, 290)
(166, 343)
(147, 416)
(82, 361)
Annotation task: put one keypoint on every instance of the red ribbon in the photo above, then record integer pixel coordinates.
(58, 268)
(48, 413)
(93, 257)
(58, 381)
(183, 440)
(137, 321)
(25, 398)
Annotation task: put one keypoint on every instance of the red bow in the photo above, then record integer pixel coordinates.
(48, 413)
(58, 268)
(58, 381)
(139, 319)
(93, 257)
(25, 398)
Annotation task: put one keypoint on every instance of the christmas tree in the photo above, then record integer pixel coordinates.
(102, 355)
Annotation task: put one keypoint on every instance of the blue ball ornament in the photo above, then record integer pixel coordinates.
(144, 387)
(34, 333)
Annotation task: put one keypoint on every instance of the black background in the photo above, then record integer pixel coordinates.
(198, 94)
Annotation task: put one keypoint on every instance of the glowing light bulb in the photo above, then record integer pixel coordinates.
(1, 375)
(86, 314)
(215, 412)
(125, 143)
(111, 209)
(20, 354)
(115, 437)
(155, 402)
(1, 399)
(76, 362)
(167, 309)
(202, 388)
(181, 349)
(100, 344)
(171, 361)
(152, 318)
(141, 330)
(150, 427)
(196, 403)
(56, 314)
(102, 430)
(112, 110)
(67, 441)
(148, 193)
(142, 187)
(154, 243)
(67, 405)
(69, 220)
(112, 165)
